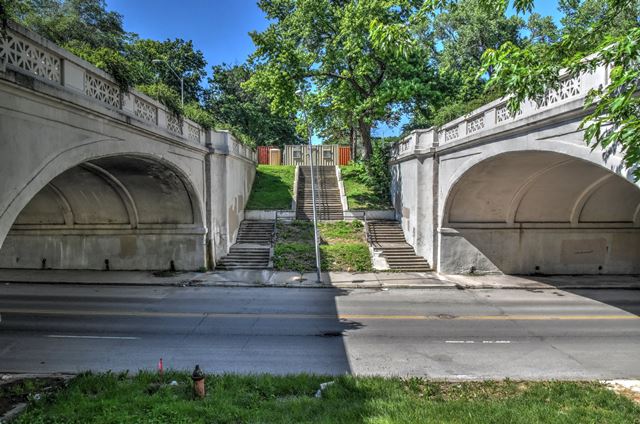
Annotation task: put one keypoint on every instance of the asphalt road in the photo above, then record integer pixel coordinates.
(439, 333)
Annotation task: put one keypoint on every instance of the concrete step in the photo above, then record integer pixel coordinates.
(244, 256)
(400, 255)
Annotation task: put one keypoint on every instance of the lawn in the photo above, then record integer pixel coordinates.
(120, 398)
(359, 194)
(272, 187)
(342, 247)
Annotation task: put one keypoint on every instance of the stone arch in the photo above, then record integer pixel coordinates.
(136, 210)
(92, 149)
(527, 211)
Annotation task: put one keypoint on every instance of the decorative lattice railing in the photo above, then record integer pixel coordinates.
(24, 52)
(496, 114)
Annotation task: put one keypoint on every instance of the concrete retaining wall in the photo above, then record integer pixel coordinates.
(125, 251)
(493, 192)
(546, 251)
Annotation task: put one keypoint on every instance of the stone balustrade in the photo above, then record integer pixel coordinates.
(496, 116)
(25, 52)
(224, 142)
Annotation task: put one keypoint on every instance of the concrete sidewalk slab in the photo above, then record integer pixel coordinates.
(344, 280)
(563, 282)
(97, 277)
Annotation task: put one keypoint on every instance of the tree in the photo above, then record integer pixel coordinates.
(246, 112)
(466, 29)
(65, 21)
(181, 55)
(89, 30)
(331, 47)
(596, 33)
(463, 31)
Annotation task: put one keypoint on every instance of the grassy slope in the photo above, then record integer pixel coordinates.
(359, 195)
(342, 247)
(272, 188)
(118, 398)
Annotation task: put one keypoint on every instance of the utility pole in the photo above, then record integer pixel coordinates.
(177, 76)
(301, 93)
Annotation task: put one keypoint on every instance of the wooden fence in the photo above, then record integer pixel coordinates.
(298, 154)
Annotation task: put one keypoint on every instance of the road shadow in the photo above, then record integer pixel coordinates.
(51, 328)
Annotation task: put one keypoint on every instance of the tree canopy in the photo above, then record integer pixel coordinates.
(363, 63)
(595, 33)
(246, 111)
(328, 48)
(89, 30)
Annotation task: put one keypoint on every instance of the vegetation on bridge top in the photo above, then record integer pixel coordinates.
(149, 398)
(371, 65)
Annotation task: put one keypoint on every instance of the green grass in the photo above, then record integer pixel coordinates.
(300, 257)
(342, 247)
(359, 194)
(272, 187)
(119, 398)
(341, 231)
(352, 257)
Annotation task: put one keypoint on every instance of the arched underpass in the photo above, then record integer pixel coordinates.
(541, 212)
(124, 212)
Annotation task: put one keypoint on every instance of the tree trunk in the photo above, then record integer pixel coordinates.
(352, 142)
(365, 133)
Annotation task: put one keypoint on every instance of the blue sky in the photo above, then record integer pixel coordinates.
(220, 28)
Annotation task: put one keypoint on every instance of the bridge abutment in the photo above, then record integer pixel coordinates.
(95, 178)
(518, 194)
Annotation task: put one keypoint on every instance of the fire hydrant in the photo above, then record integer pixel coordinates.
(198, 382)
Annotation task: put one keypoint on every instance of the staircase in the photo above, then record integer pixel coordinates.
(252, 249)
(329, 207)
(388, 237)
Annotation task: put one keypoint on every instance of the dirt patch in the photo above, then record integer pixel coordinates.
(23, 390)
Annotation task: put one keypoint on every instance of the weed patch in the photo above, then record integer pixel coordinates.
(342, 247)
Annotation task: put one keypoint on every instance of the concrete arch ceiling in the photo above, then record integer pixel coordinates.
(124, 212)
(542, 188)
(115, 191)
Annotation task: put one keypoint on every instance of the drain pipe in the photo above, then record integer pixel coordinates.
(301, 93)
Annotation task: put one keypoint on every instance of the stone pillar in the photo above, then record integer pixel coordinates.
(217, 239)
(423, 218)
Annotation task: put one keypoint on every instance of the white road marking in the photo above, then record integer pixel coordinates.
(63, 336)
(483, 342)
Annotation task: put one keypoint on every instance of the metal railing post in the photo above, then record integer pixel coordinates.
(301, 93)
(313, 201)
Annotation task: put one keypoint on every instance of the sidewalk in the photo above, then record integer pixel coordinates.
(342, 280)
(237, 278)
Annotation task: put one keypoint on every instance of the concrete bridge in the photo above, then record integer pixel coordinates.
(490, 192)
(93, 177)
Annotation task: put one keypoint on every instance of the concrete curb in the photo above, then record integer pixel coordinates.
(362, 285)
(382, 280)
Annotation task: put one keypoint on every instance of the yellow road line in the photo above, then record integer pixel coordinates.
(150, 314)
